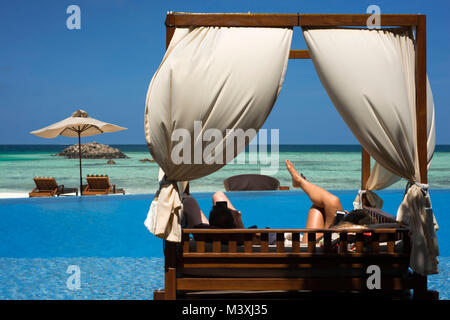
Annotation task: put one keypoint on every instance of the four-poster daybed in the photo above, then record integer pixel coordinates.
(255, 265)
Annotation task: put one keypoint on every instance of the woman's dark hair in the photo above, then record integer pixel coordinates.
(360, 217)
(221, 217)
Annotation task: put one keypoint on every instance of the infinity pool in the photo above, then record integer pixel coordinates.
(105, 237)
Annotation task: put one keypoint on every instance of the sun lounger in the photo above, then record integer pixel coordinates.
(211, 263)
(47, 187)
(99, 185)
(252, 182)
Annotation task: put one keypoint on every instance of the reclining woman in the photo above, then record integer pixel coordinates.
(321, 214)
(222, 215)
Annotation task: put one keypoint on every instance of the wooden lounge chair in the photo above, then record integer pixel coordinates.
(47, 187)
(215, 265)
(252, 182)
(98, 185)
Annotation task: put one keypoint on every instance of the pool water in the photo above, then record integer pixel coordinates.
(105, 237)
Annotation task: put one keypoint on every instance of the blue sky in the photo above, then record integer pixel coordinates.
(48, 71)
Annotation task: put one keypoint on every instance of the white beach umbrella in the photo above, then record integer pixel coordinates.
(78, 125)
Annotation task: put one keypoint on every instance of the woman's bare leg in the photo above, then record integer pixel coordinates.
(220, 196)
(315, 220)
(318, 196)
(194, 214)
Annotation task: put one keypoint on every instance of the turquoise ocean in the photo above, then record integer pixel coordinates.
(333, 167)
(106, 237)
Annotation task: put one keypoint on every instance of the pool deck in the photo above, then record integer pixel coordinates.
(8, 195)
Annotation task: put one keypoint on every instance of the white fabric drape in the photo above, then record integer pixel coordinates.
(212, 80)
(381, 178)
(166, 226)
(369, 76)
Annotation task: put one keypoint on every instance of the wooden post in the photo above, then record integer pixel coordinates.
(170, 28)
(421, 95)
(79, 154)
(170, 284)
(365, 168)
(169, 34)
(170, 271)
(170, 279)
(421, 116)
(299, 54)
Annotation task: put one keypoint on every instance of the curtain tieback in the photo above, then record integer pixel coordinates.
(357, 204)
(165, 182)
(372, 200)
(423, 186)
(360, 194)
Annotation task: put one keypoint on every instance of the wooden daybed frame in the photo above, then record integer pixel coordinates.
(224, 260)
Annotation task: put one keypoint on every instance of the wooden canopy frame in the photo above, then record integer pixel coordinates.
(419, 283)
(417, 21)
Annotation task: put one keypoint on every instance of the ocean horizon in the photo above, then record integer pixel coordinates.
(333, 167)
(143, 146)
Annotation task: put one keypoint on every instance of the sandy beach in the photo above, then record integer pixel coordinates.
(5, 195)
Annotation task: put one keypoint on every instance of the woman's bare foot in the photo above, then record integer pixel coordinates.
(296, 177)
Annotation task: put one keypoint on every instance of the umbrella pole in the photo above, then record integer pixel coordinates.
(79, 153)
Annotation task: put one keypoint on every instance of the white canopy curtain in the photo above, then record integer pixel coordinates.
(369, 77)
(381, 178)
(210, 78)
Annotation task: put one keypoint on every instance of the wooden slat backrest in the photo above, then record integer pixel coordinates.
(248, 243)
(97, 183)
(295, 242)
(200, 246)
(336, 259)
(327, 242)
(232, 246)
(375, 243)
(380, 215)
(359, 242)
(343, 244)
(186, 239)
(365, 240)
(217, 246)
(391, 243)
(311, 242)
(229, 252)
(280, 242)
(264, 242)
(406, 241)
(45, 184)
